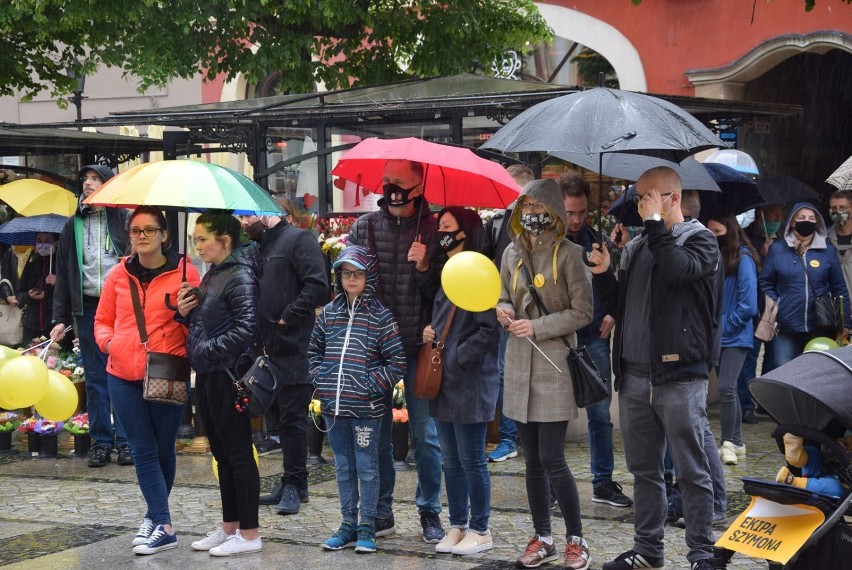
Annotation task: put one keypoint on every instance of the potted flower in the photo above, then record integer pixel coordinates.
(48, 430)
(33, 441)
(316, 435)
(399, 438)
(9, 422)
(78, 426)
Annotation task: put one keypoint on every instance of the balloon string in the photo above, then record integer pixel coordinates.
(42, 354)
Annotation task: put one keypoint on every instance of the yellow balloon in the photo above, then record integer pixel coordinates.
(7, 353)
(60, 401)
(23, 381)
(6, 405)
(216, 463)
(471, 281)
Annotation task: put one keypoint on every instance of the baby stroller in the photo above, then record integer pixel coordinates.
(809, 397)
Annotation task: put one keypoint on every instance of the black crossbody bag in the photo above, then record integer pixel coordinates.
(589, 387)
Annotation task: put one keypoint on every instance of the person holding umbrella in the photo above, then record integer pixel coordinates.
(667, 312)
(92, 242)
(400, 233)
(35, 288)
(547, 296)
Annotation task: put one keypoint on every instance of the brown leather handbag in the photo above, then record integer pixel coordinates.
(430, 365)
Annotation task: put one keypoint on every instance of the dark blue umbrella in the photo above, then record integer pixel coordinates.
(624, 210)
(784, 189)
(739, 193)
(23, 230)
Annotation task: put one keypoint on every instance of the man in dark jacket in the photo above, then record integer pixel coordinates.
(92, 242)
(665, 343)
(293, 285)
(399, 233)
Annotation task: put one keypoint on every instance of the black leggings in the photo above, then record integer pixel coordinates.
(229, 433)
(544, 453)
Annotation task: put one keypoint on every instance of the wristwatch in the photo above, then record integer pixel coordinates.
(653, 217)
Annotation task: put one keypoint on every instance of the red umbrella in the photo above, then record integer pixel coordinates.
(453, 176)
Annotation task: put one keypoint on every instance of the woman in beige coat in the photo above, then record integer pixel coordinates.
(538, 397)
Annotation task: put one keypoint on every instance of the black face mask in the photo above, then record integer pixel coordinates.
(722, 241)
(805, 229)
(448, 241)
(255, 230)
(396, 195)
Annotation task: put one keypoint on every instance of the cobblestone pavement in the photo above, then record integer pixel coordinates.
(58, 513)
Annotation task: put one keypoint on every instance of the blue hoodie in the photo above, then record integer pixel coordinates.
(794, 280)
(356, 354)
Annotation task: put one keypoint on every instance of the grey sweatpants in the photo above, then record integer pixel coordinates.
(675, 412)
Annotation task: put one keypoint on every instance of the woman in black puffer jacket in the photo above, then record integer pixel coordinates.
(222, 329)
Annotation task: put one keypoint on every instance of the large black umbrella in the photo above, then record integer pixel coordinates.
(600, 121)
(626, 166)
(784, 189)
(739, 193)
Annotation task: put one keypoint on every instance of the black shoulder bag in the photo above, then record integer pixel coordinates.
(589, 387)
(257, 388)
(166, 375)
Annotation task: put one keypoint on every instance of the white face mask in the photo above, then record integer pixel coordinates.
(44, 249)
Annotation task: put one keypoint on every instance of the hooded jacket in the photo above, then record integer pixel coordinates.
(293, 285)
(533, 389)
(223, 328)
(115, 321)
(391, 238)
(37, 313)
(686, 291)
(68, 292)
(794, 280)
(356, 354)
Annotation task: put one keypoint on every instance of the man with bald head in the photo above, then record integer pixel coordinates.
(666, 339)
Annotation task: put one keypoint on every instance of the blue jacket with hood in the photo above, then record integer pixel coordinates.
(794, 280)
(356, 354)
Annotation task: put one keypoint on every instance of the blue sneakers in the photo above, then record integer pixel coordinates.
(366, 538)
(345, 536)
(159, 540)
(505, 450)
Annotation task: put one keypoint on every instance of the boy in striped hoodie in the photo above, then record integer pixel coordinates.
(356, 357)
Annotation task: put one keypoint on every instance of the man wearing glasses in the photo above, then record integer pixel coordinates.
(595, 337)
(92, 242)
(667, 306)
(293, 284)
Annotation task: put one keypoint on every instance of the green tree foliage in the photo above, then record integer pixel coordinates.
(308, 40)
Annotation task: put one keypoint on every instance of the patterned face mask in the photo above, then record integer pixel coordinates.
(839, 217)
(536, 223)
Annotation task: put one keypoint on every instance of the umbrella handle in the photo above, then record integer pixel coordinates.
(169, 302)
(587, 259)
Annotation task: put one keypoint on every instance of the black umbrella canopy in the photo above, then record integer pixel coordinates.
(604, 120)
(784, 189)
(693, 176)
(811, 390)
(739, 193)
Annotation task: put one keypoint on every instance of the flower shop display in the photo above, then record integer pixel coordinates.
(33, 441)
(48, 431)
(399, 438)
(78, 426)
(9, 422)
(316, 437)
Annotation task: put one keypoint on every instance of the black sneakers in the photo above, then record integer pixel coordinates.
(609, 492)
(385, 527)
(433, 532)
(124, 455)
(99, 456)
(632, 560)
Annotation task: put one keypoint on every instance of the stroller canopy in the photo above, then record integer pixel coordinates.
(811, 390)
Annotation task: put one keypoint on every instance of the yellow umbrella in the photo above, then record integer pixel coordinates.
(32, 197)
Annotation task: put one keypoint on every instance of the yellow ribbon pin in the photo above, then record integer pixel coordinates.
(538, 280)
(814, 263)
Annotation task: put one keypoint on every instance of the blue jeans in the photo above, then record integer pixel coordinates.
(507, 429)
(749, 371)
(730, 366)
(151, 430)
(97, 390)
(788, 346)
(387, 473)
(427, 450)
(466, 474)
(600, 422)
(355, 443)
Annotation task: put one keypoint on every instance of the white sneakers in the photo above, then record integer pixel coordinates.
(236, 544)
(731, 454)
(214, 538)
(462, 542)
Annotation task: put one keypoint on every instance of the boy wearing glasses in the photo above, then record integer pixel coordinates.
(356, 356)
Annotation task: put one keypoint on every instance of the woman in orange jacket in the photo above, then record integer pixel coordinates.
(151, 427)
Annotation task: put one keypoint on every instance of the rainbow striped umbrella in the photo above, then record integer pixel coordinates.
(185, 184)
